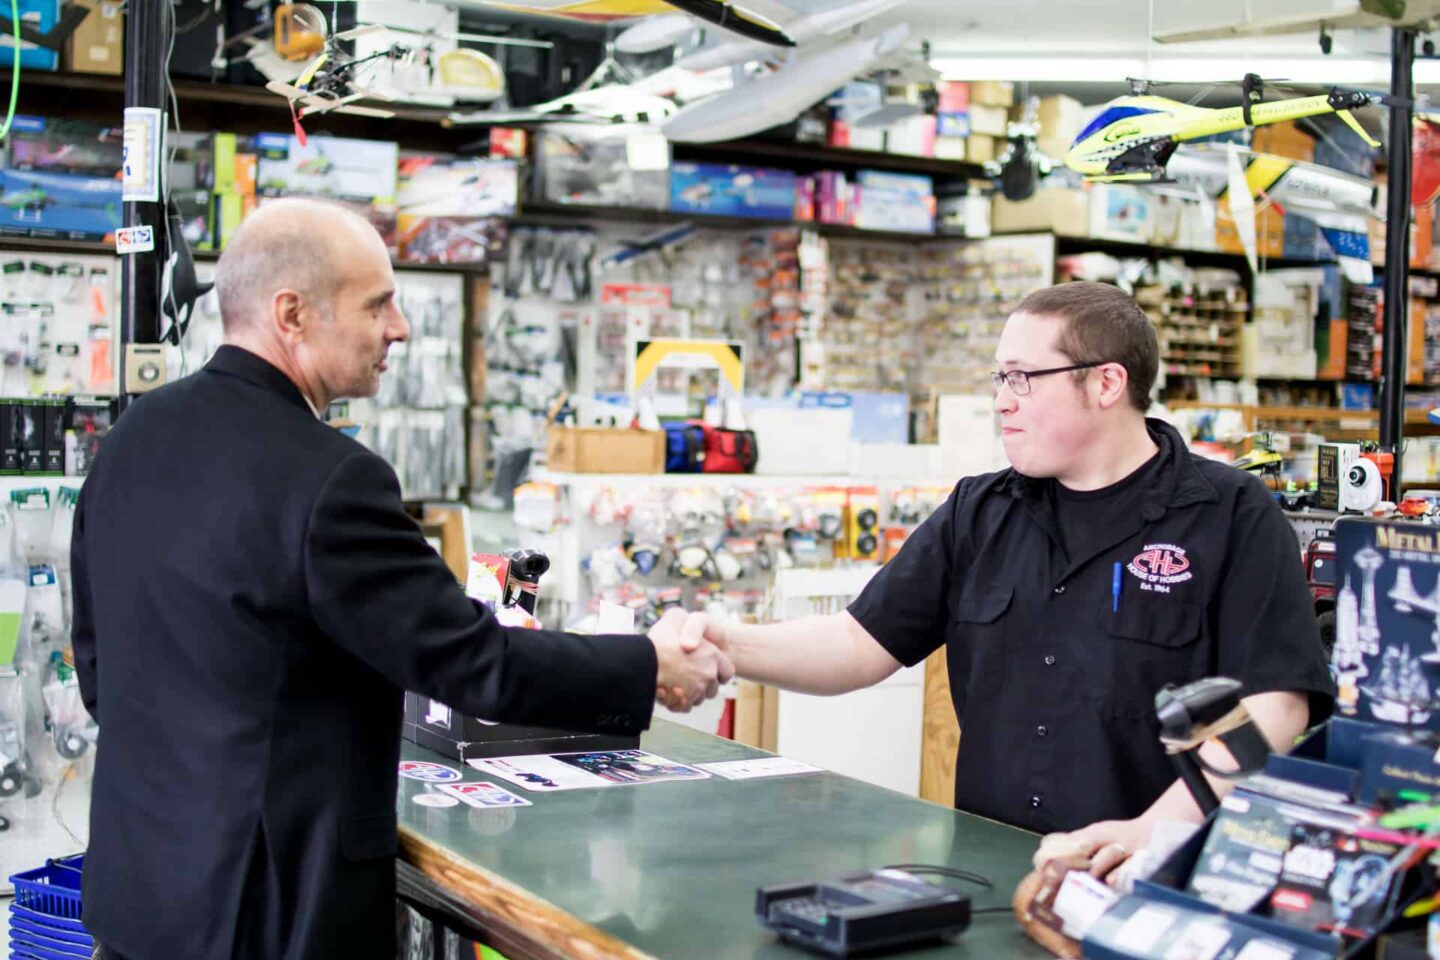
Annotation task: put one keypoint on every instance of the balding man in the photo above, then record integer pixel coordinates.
(251, 598)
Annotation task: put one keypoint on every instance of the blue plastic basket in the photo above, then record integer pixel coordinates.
(45, 947)
(21, 926)
(53, 889)
(26, 915)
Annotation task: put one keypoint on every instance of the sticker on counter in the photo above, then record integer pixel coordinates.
(435, 800)
(758, 767)
(428, 772)
(484, 795)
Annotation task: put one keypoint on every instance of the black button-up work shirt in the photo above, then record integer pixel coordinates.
(1053, 679)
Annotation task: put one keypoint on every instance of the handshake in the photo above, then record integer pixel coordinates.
(693, 660)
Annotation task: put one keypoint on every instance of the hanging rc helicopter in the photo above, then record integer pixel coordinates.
(1134, 136)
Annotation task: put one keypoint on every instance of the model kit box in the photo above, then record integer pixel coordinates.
(58, 205)
(469, 240)
(76, 147)
(360, 174)
(1387, 621)
(41, 15)
(592, 165)
(437, 727)
(732, 191)
(439, 186)
(903, 202)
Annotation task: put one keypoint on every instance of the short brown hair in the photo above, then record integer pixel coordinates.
(1102, 325)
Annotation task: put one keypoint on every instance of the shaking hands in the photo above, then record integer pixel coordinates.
(691, 666)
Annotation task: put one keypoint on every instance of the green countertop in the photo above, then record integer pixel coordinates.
(671, 868)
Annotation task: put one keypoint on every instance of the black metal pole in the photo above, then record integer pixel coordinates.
(1394, 343)
(146, 41)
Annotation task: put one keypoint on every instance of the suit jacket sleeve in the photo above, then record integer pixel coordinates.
(379, 591)
(82, 622)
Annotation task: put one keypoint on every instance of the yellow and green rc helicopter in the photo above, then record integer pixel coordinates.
(1133, 137)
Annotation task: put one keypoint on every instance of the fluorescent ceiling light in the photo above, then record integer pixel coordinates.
(1330, 70)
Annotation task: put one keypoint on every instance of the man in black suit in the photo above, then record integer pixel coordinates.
(250, 599)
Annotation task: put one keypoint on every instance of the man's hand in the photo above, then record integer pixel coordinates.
(691, 668)
(1107, 844)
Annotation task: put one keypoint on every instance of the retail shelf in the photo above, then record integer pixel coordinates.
(743, 480)
(48, 245)
(561, 214)
(810, 156)
(29, 482)
(1413, 417)
(97, 91)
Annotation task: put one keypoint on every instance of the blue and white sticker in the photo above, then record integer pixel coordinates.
(427, 772)
(485, 795)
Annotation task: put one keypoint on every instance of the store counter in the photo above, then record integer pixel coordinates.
(669, 870)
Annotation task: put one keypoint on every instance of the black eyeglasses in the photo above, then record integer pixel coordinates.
(1019, 380)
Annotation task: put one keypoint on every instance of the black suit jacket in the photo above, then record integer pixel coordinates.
(249, 601)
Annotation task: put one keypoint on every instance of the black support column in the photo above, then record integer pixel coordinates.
(1394, 343)
(147, 30)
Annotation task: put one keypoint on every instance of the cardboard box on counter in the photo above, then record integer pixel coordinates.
(605, 450)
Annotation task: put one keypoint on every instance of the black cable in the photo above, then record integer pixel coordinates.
(930, 868)
(990, 910)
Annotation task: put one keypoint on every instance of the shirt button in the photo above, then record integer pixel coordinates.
(1050, 660)
(1035, 801)
(1059, 590)
(1041, 730)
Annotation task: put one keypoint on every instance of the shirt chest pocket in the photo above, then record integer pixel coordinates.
(975, 643)
(1149, 642)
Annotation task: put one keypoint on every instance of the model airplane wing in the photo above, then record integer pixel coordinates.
(760, 103)
(1298, 18)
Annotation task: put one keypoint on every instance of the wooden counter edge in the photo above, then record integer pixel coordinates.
(539, 928)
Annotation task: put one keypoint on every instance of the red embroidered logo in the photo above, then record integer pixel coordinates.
(1161, 563)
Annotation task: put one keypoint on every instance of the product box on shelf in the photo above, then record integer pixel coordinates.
(58, 205)
(79, 147)
(360, 174)
(591, 165)
(1064, 211)
(98, 43)
(42, 15)
(902, 202)
(732, 191)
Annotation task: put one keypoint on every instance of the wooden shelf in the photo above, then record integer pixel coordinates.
(1069, 245)
(1413, 417)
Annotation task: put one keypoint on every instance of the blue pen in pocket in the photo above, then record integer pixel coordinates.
(1115, 588)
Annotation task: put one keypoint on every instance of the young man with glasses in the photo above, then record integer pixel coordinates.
(1107, 562)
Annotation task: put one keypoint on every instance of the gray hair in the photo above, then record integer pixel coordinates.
(286, 245)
